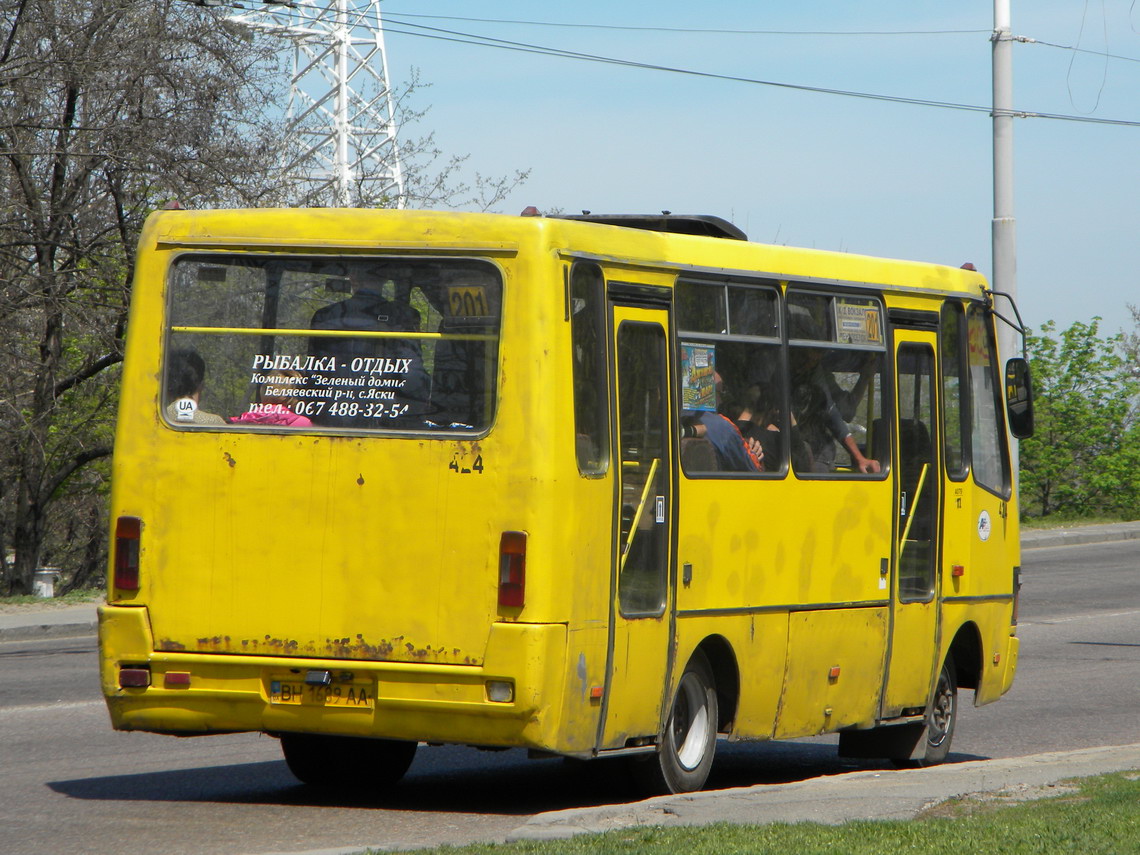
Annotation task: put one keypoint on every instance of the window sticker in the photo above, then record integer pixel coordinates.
(467, 301)
(184, 409)
(858, 321)
(698, 377)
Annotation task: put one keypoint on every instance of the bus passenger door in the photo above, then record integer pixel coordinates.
(914, 607)
(640, 605)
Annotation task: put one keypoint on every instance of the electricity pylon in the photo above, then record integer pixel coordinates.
(340, 148)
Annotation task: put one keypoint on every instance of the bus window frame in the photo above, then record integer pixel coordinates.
(997, 379)
(682, 337)
(965, 399)
(885, 416)
(601, 400)
(273, 260)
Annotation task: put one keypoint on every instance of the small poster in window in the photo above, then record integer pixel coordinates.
(698, 377)
(857, 321)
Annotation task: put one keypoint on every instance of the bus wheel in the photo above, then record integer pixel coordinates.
(346, 762)
(940, 721)
(685, 755)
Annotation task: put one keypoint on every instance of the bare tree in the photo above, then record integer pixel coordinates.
(110, 108)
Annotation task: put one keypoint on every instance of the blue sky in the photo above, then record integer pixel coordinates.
(806, 169)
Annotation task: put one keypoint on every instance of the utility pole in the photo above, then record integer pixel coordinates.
(340, 148)
(1004, 234)
(1004, 231)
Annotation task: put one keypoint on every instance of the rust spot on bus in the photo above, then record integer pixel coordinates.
(228, 459)
(356, 648)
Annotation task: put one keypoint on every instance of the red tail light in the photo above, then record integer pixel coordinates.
(134, 677)
(127, 531)
(512, 569)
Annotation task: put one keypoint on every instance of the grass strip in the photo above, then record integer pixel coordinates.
(1088, 816)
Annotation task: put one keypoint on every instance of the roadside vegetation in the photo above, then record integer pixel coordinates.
(113, 109)
(1094, 815)
(1081, 463)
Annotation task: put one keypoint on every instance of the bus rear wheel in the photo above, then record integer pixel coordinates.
(346, 762)
(685, 756)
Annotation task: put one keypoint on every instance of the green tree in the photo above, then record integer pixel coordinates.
(109, 108)
(1083, 458)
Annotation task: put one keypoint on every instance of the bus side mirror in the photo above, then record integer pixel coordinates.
(1019, 397)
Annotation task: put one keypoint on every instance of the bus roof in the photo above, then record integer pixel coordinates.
(683, 243)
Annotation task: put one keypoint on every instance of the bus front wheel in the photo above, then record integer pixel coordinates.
(685, 754)
(346, 762)
(940, 721)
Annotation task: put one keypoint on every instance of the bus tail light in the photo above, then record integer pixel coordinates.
(512, 569)
(134, 676)
(127, 532)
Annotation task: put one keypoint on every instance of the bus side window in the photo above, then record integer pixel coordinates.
(591, 394)
(989, 455)
(955, 404)
(836, 367)
(731, 378)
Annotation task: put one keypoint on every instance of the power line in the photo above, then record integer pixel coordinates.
(687, 30)
(439, 34)
(1032, 41)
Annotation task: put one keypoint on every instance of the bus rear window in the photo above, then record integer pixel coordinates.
(332, 343)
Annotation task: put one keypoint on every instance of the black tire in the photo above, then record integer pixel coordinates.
(941, 720)
(346, 762)
(684, 757)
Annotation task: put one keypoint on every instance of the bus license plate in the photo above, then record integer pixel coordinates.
(345, 695)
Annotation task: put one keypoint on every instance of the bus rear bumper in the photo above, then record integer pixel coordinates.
(512, 699)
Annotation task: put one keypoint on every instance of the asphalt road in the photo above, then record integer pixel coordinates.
(71, 784)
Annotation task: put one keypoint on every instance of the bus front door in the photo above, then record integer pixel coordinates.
(914, 607)
(640, 602)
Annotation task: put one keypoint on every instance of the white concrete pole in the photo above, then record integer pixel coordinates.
(1004, 229)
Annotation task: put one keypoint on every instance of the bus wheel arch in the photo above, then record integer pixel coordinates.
(966, 653)
(726, 672)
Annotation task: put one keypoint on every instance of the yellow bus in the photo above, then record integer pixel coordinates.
(589, 486)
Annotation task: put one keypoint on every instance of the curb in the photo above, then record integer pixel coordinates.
(837, 799)
(40, 625)
(48, 630)
(1080, 536)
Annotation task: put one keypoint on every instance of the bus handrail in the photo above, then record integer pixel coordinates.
(913, 504)
(335, 333)
(640, 510)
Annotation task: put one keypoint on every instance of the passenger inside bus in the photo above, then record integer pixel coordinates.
(734, 452)
(368, 310)
(274, 405)
(761, 420)
(185, 379)
(820, 417)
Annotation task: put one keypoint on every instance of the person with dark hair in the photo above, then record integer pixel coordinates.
(734, 452)
(185, 377)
